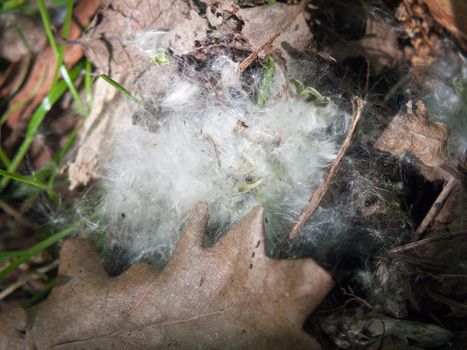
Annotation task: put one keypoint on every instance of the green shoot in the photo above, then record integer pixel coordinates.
(120, 88)
(160, 58)
(310, 92)
(4, 256)
(266, 83)
(48, 30)
(24, 179)
(65, 32)
(88, 81)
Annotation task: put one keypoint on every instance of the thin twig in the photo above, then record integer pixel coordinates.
(319, 193)
(247, 61)
(438, 204)
(437, 238)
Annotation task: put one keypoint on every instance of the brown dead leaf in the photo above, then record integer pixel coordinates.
(415, 134)
(263, 22)
(229, 296)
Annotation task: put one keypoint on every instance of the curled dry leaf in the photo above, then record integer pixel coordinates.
(228, 296)
(415, 134)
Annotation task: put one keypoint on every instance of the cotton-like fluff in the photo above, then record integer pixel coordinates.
(446, 98)
(225, 151)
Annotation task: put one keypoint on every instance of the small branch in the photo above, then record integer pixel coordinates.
(413, 245)
(438, 204)
(247, 61)
(319, 193)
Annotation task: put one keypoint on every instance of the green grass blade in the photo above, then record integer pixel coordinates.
(36, 249)
(88, 81)
(4, 256)
(39, 114)
(65, 32)
(68, 17)
(30, 192)
(120, 88)
(69, 81)
(53, 43)
(24, 179)
(47, 25)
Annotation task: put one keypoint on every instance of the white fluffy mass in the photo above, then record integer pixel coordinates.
(225, 151)
(446, 98)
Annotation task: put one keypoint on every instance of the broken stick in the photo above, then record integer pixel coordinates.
(319, 193)
(448, 187)
(247, 61)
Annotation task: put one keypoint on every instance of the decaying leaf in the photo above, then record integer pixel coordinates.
(413, 133)
(229, 296)
(287, 21)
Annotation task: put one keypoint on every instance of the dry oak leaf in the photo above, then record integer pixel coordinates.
(230, 296)
(415, 134)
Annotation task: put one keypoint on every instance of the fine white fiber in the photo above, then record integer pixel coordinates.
(445, 96)
(217, 147)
